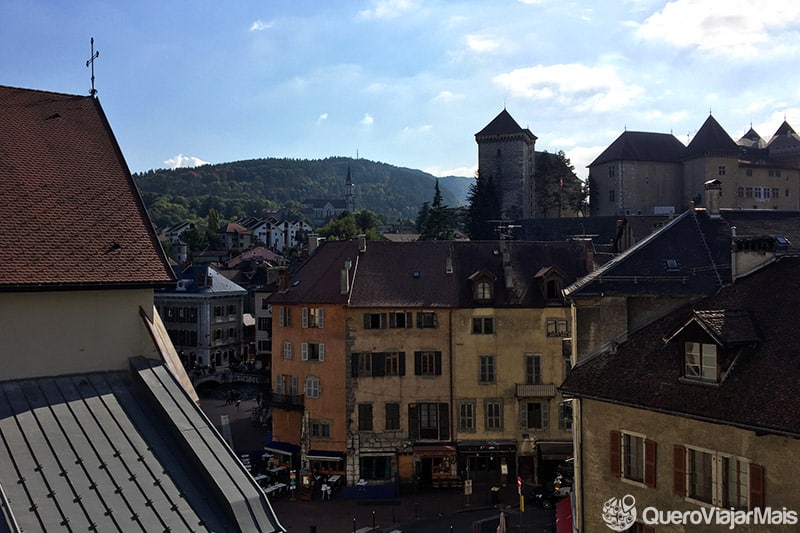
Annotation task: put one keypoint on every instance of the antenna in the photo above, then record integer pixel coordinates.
(90, 61)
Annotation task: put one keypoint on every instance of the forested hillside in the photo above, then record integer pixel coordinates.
(254, 187)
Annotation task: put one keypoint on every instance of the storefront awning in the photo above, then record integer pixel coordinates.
(434, 451)
(284, 448)
(324, 455)
(555, 450)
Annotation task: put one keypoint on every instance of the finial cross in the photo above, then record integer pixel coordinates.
(90, 61)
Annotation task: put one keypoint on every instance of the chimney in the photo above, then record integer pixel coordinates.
(313, 243)
(448, 267)
(362, 243)
(283, 280)
(713, 197)
(345, 276)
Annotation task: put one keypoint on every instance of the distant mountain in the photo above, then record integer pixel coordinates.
(254, 187)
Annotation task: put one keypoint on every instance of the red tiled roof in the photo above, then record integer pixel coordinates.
(70, 215)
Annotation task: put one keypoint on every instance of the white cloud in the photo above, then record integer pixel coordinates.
(322, 118)
(185, 161)
(367, 120)
(576, 86)
(480, 43)
(387, 9)
(737, 28)
(467, 172)
(260, 25)
(448, 96)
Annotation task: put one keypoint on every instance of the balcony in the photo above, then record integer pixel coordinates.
(288, 402)
(545, 390)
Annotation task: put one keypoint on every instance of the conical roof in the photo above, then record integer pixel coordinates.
(502, 124)
(711, 138)
(751, 139)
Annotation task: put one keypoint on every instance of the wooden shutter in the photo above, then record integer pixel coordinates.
(321, 351)
(417, 363)
(756, 486)
(438, 363)
(545, 415)
(304, 351)
(649, 463)
(409, 319)
(413, 422)
(523, 415)
(304, 318)
(383, 321)
(401, 359)
(366, 320)
(615, 453)
(320, 317)
(679, 470)
(444, 422)
(354, 365)
(378, 364)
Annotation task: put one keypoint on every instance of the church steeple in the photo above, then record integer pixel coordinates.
(350, 192)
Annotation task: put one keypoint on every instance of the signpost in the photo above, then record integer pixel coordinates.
(467, 489)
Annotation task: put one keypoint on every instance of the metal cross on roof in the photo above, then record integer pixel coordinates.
(90, 61)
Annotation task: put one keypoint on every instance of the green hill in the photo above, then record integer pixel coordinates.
(255, 187)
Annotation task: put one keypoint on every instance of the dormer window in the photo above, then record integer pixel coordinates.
(483, 290)
(701, 361)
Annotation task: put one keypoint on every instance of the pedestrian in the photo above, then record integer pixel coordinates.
(238, 401)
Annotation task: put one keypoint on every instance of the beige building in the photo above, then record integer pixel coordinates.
(643, 173)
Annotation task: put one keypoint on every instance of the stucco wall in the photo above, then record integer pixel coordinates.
(68, 332)
(775, 453)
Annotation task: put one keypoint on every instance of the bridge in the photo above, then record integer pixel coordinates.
(230, 377)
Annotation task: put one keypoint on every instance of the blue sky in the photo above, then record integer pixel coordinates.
(406, 82)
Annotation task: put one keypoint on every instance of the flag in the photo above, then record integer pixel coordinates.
(561, 182)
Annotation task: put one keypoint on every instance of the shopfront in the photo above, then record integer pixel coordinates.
(487, 461)
(435, 465)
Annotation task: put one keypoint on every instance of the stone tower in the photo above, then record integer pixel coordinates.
(507, 153)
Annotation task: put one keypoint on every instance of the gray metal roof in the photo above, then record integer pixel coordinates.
(119, 451)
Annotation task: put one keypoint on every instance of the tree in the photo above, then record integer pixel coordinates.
(559, 191)
(438, 225)
(483, 207)
(422, 217)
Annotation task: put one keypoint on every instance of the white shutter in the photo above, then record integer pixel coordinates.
(523, 415)
(305, 317)
(304, 354)
(320, 318)
(321, 352)
(279, 384)
(294, 385)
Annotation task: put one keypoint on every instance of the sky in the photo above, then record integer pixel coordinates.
(406, 82)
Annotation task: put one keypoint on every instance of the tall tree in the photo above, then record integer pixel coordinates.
(559, 191)
(438, 225)
(483, 207)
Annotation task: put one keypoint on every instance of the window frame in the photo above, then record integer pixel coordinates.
(558, 327)
(311, 387)
(427, 320)
(493, 419)
(391, 416)
(365, 417)
(483, 325)
(543, 415)
(533, 368)
(466, 416)
(487, 369)
(697, 365)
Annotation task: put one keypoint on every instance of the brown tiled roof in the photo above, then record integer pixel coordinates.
(70, 215)
(416, 274)
(761, 391)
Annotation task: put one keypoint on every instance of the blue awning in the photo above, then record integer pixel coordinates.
(285, 448)
(324, 455)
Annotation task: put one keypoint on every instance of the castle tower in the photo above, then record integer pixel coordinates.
(350, 192)
(507, 153)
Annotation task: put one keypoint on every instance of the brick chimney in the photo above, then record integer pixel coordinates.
(713, 197)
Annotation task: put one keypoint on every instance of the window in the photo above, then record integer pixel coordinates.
(557, 327)
(429, 421)
(776, 193)
(365, 417)
(612, 171)
(565, 415)
(721, 170)
(740, 192)
(313, 351)
(494, 414)
(427, 363)
(264, 303)
(376, 467)
(553, 289)
(486, 369)
(287, 350)
(392, 364)
(426, 319)
(217, 334)
(320, 429)
(364, 364)
(231, 333)
(466, 416)
(312, 387)
(717, 478)
(400, 320)
(748, 192)
(535, 415)
(483, 290)
(264, 346)
(392, 417)
(232, 310)
(263, 323)
(633, 457)
(611, 195)
(483, 325)
(374, 320)
(701, 361)
(219, 311)
(533, 369)
(700, 473)
(284, 316)
(774, 173)
(749, 172)
(313, 317)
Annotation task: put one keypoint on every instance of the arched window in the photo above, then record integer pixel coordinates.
(483, 290)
